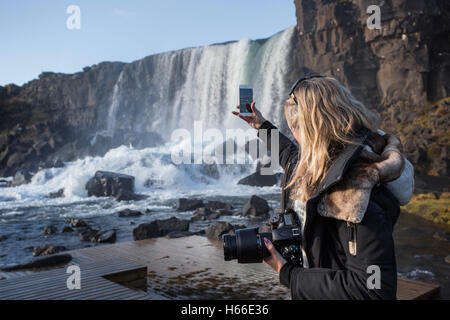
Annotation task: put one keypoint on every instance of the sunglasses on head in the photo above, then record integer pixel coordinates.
(296, 83)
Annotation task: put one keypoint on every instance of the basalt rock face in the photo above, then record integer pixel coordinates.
(401, 70)
(55, 111)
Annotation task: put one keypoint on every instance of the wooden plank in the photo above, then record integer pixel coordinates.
(64, 293)
(87, 285)
(408, 289)
(52, 284)
(92, 290)
(60, 274)
(112, 264)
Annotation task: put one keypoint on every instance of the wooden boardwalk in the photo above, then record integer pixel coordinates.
(183, 268)
(52, 284)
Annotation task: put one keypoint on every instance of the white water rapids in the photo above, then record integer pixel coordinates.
(161, 93)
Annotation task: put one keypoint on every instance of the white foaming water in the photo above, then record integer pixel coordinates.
(155, 175)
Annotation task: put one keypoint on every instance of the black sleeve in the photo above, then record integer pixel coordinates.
(288, 150)
(324, 284)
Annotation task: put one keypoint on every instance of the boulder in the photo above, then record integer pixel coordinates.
(214, 215)
(76, 223)
(42, 262)
(189, 204)
(215, 205)
(256, 207)
(67, 229)
(108, 236)
(105, 184)
(172, 224)
(21, 177)
(126, 213)
(93, 235)
(56, 194)
(146, 231)
(50, 230)
(126, 195)
(258, 180)
(88, 234)
(202, 214)
(216, 230)
(159, 228)
(5, 183)
(220, 228)
(149, 183)
(46, 250)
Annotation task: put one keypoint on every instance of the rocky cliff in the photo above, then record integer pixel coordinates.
(402, 70)
(55, 113)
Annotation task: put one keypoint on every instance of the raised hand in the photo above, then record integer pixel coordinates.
(255, 120)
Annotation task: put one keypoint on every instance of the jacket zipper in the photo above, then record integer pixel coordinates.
(351, 236)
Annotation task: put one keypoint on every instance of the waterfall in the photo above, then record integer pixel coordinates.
(171, 90)
(111, 119)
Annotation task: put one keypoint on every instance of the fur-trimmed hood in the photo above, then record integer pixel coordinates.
(348, 199)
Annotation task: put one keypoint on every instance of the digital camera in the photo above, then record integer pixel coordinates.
(247, 245)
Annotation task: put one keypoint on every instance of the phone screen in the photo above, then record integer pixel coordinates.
(245, 99)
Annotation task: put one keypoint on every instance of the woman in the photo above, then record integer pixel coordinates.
(346, 183)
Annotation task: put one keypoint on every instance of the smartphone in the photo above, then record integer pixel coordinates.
(245, 100)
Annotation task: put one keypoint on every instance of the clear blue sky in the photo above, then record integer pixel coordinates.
(34, 36)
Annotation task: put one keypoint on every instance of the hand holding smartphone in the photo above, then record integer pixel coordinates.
(253, 116)
(245, 100)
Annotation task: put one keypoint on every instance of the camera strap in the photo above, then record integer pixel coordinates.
(284, 189)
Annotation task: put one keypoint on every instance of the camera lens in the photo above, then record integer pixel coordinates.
(229, 247)
(246, 246)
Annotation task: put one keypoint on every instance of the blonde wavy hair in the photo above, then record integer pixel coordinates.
(326, 116)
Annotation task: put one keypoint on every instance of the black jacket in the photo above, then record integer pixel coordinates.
(334, 273)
